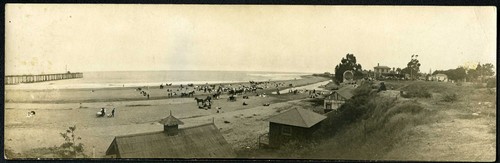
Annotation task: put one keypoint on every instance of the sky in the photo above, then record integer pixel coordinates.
(47, 38)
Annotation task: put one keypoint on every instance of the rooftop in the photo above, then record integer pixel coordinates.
(171, 121)
(382, 67)
(345, 92)
(203, 141)
(298, 117)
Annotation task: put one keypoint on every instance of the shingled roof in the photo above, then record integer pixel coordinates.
(204, 141)
(171, 120)
(382, 67)
(298, 117)
(346, 92)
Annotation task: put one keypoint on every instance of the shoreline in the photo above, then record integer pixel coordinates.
(116, 86)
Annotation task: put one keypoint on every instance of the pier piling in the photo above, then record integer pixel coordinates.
(16, 79)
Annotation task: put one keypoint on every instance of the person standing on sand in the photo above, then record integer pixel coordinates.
(113, 113)
(148, 95)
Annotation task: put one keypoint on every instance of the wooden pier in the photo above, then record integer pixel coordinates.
(16, 79)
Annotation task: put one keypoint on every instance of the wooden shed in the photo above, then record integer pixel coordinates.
(337, 98)
(294, 124)
(203, 141)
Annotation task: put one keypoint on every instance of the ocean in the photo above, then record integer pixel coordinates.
(107, 79)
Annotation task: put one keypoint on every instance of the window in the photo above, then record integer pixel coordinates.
(286, 130)
(328, 105)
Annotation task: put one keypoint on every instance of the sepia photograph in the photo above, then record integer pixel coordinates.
(193, 81)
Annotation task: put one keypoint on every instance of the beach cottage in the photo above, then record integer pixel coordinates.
(337, 98)
(440, 77)
(203, 141)
(379, 71)
(294, 124)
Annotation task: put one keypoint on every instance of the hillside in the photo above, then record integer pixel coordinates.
(435, 122)
(416, 128)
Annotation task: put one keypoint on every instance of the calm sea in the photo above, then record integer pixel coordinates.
(155, 78)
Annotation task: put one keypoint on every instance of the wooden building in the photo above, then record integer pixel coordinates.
(203, 141)
(380, 71)
(294, 124)
(440, 77)
(337, 98)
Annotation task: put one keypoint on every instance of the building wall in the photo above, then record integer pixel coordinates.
(380, 71)
(278, 138)
(336, 101)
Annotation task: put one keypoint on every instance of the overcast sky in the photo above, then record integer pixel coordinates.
(46, 38)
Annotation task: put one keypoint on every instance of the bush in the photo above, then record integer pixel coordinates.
(407, 107)
(450, 97)
(71, 148)
(478, 85)
(362, 90)
(417, 93)
(491, 83)
(295, 149)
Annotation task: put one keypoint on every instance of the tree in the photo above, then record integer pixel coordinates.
(70, 148)
(456, 74)
(347, 63)
(480, 71)
(398, 70)
(486, 69)
(413, 67)
(472, 75)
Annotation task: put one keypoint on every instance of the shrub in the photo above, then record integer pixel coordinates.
(417, 93)
(362, 90)
(491, 83)
(70, 148)
(478, 85)
(450, 97)
(295, 149)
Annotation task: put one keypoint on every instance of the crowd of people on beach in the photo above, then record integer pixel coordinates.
(213, 91)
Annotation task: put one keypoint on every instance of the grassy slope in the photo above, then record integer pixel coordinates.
(419, 128)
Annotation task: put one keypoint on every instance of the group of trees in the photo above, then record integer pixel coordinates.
(472, 75)
(349, 63)
(413, 70)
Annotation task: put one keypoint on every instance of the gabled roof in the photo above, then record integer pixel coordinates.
(345, 92)
(298, 117)
(171, 121)
(204, 141)
(382, 67)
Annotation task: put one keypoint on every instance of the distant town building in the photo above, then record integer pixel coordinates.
(294, 124)
(203, 141)
(381, 70)
(440, 77)
(337, 98)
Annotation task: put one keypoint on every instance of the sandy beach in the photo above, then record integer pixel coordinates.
(58, 109)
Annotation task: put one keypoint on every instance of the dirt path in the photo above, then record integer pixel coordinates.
(462, 131)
